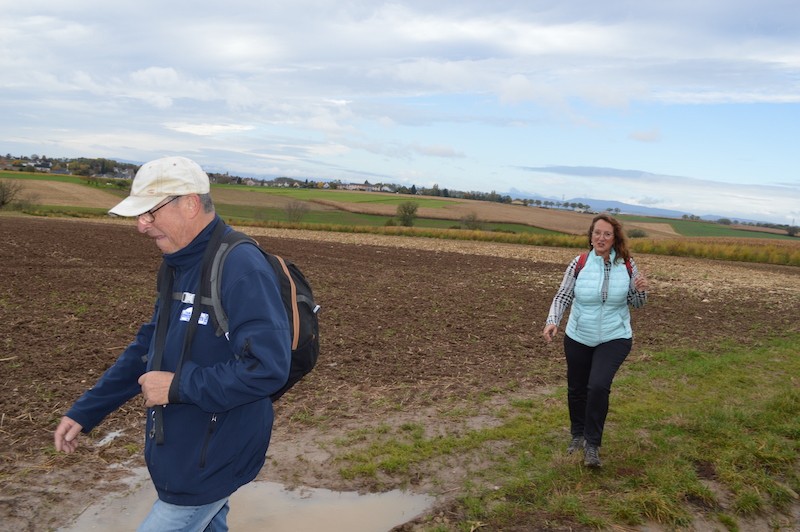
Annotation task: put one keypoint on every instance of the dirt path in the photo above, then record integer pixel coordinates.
(412, 329)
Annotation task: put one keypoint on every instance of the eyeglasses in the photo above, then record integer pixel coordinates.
(598, 234)
(150, 216)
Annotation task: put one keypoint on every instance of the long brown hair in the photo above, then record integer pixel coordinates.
(620, 240)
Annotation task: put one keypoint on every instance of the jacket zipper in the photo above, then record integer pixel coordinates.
(211, 427)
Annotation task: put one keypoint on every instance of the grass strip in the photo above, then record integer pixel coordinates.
(689, 432)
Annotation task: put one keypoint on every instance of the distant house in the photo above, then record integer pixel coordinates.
(366, 187)
(283, 182)
(126, 173)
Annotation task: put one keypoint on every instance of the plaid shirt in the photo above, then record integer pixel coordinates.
(566, 292)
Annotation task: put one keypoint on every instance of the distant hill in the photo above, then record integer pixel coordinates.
(624, 208)
(627, 208)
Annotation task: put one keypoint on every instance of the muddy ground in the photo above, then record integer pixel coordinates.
(411, 330)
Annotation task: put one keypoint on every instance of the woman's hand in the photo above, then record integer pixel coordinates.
(549, 332)
(640, 283)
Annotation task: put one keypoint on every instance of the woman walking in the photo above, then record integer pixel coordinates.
(600, 285)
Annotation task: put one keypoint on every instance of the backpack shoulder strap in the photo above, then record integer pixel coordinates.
(292, 311)
(164, 287)
(164, 277)
(212, 249)
(282, 269)
(213, 287)
(191, 326)
(629, 267)
(581, 262)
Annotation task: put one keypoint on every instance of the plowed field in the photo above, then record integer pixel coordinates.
(411, 329)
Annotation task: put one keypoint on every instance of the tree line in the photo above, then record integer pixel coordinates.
(93, 168)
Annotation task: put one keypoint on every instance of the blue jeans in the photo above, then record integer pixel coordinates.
(590, 371)
(165, 517)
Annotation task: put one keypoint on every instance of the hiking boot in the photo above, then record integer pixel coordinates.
(591, 456)
(575, 444)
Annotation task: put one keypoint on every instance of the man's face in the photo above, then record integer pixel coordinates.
(167, 224)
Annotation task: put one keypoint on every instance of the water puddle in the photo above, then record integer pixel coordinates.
(269, 506)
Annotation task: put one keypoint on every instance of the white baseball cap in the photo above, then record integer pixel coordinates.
(158, 180)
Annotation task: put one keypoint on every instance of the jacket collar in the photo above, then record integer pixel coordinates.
(612, 256)
(193, 252)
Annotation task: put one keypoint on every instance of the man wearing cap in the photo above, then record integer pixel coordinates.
(209, 416)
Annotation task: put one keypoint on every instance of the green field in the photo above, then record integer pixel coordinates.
(716, 241)
(703, 229)
(43, 177)
(343, 196)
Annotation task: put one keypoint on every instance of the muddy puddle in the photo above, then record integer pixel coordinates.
(261, 506)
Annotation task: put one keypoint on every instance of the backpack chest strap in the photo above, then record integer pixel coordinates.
(188, 298)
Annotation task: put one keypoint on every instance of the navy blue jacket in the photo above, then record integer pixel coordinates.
(216, 435)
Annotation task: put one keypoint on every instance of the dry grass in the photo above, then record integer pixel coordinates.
(67, 194)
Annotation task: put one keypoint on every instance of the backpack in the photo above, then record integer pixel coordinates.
(582, 262)
(296, 293)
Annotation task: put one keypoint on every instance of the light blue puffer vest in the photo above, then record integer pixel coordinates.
(591, 321)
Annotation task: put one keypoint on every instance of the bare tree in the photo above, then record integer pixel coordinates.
(296, 211)
(471, 221)
(9, 190)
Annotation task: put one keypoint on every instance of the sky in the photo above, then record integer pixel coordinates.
(684, 105)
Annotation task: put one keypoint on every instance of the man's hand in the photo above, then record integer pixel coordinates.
(66, 435)
(155, 387)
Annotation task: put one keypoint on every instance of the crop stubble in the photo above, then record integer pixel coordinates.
(412, 329)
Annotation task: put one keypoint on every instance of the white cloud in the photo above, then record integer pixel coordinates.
(650, 135)
(394, 88)
(439, 150)
(685, 194)
(206, 130)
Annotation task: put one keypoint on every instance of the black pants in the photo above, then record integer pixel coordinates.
(590, 371)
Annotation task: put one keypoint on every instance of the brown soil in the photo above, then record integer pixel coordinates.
(412, 330)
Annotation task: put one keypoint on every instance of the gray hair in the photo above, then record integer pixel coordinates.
(206, 202)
